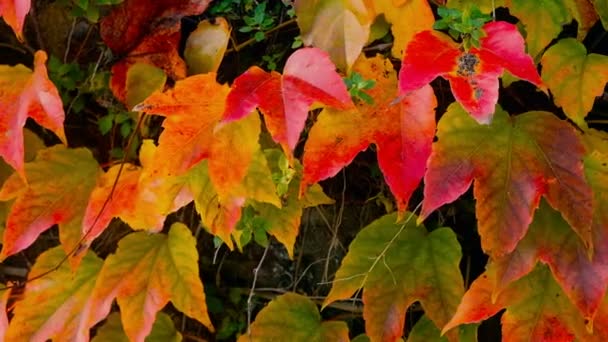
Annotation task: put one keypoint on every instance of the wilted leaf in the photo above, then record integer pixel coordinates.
(574, 77)
(57, 306)
(145, 273)
(24, 94)
(293, 317)
(205, 46)
(513, 161)
(403, 132)
(308, 77)
(396, 266)
(473, 75)
(163, 330)
(59, 183)
(339, 27)
(13, 12)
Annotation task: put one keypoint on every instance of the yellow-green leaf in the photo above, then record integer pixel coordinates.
(205, 46)
(143, 79)
(163, 330)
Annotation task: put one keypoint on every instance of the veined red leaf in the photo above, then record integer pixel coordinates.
(293, 317)
(59, 183)
(163, 330)
(13, 12)
(402, 131)
(309, 76)
(27, 94)
(144, 274)
(574, 77)
(537, 309)
(396, 266)
(62, 300)
(513, 161)
(473, 75)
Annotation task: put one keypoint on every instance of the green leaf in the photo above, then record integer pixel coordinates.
(163, 330)
(426, 331)
(397, 264)
(142, 80)
(293, 317)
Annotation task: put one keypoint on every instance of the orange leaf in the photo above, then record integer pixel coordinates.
(14, 12)
(24, 94)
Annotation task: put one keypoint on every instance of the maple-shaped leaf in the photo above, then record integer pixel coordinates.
(339, 27)
(309, 76)
(397, 264)
(293, 317)
(13, 12)
(473, 74)
(145, 273)
(402, 131)
(551, 240)
(574, 77)
(25, 93)
(536, 309)
(206, 46)
(406, 18)
(56, 306)
(513, 161)
(163, 330)
(59, 183)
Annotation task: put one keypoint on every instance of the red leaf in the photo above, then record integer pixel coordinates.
(473, 75)
(309, 76)
(403, 133)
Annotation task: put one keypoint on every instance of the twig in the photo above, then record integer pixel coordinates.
(337, 224)
(252, 291)
(69, 42)
(250, 41)
(24, 50)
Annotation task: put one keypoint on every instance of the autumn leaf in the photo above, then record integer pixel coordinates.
(551, 240)
(601, 6)
(485, 6)
(426, 331)
(205, 46)
(407, 18)
(513, 161)
(62, 300)
(141, 81)
(402, 131)
(339, 27)
(27, 94)
(473, 75)
(397, 264)
(308, 77)
(13, 12)
(59, 183)
(293, 317)
(574, 77)
(4, 295)
(536, 309)
(145, 273)
(163, 330)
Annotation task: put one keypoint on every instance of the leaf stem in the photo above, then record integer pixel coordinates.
(250, 41)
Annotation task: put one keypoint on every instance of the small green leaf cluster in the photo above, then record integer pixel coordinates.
(89, 9)
(356, 85)
(462, 25)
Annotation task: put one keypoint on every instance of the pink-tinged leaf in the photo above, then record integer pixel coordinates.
(146, 272)
(402, 129)
(13, 12)
(514, 161)
(309, 76)
(59, 183)
(24, 94)
(473, 75)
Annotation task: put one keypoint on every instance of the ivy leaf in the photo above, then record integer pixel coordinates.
(537, 309)
(13, 12)
(513, 161)
(59, 183)
(206, 46)
(397, 264)
(163, 330)
(473, 74)
(574, 77)
(339, 27)
(403, 132)
(145, 273)
(309, 76)
(551, 240)
(293, 317)
(406, 18)
(27, 94)
(62, 300)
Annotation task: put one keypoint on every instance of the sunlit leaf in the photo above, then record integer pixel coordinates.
(13, 12)
(205, 46)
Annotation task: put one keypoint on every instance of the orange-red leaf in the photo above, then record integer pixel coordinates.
(13, 12)
(473, 75)
(24, 94)
(309, 76)
(402, 130)
(513, 161)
